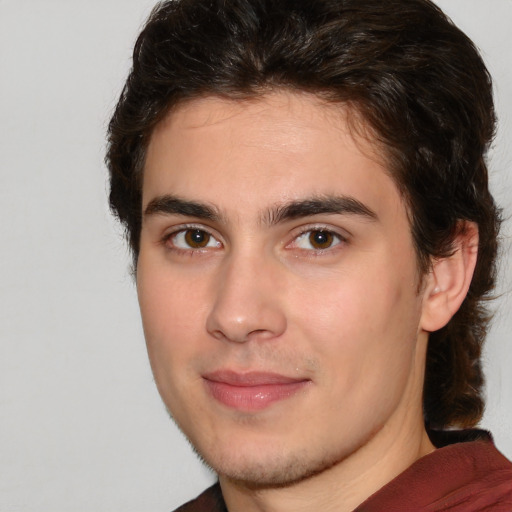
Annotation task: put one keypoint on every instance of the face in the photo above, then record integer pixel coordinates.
(278, 286)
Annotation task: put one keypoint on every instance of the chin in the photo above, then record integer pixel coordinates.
(261, 469)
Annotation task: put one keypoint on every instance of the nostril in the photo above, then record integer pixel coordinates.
(261, 324)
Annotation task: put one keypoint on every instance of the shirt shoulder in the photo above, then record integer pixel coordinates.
(208, 501)
(465, 474)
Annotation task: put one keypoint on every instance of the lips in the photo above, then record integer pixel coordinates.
(251, 391)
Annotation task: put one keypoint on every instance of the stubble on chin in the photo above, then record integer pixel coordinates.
(276, 471)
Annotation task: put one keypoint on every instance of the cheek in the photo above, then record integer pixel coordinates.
(363, 329)
(170, 310)
(347, 309)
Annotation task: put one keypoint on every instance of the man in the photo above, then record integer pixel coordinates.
(304, 189)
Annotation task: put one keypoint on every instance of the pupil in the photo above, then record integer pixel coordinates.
(320, 239)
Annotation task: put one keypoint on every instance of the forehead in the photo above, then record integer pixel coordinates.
(278, 147)
(290, 117)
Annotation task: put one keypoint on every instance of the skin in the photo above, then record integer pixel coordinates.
(347, 319)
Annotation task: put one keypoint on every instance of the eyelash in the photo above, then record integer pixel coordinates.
(336, 238)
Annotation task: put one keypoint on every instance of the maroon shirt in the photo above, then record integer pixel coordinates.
(465, 474)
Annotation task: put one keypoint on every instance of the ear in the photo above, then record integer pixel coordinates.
(448, 281)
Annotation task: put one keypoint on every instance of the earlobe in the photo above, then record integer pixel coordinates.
(449, 279)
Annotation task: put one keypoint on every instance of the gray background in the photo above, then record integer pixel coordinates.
(81, 425)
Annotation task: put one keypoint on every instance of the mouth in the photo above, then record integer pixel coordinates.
(253, 391)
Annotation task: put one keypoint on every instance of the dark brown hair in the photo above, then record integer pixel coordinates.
(414, 78)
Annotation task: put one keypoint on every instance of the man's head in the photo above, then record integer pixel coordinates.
(220, 86)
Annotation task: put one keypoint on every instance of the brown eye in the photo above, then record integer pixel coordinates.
(197, 238)
(321, 239)
(317, 240)
(192, 239)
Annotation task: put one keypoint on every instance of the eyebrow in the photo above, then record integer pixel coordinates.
(340, 205)
(336, 205)
(172, 205)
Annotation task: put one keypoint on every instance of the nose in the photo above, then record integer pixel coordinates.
(246, 304)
